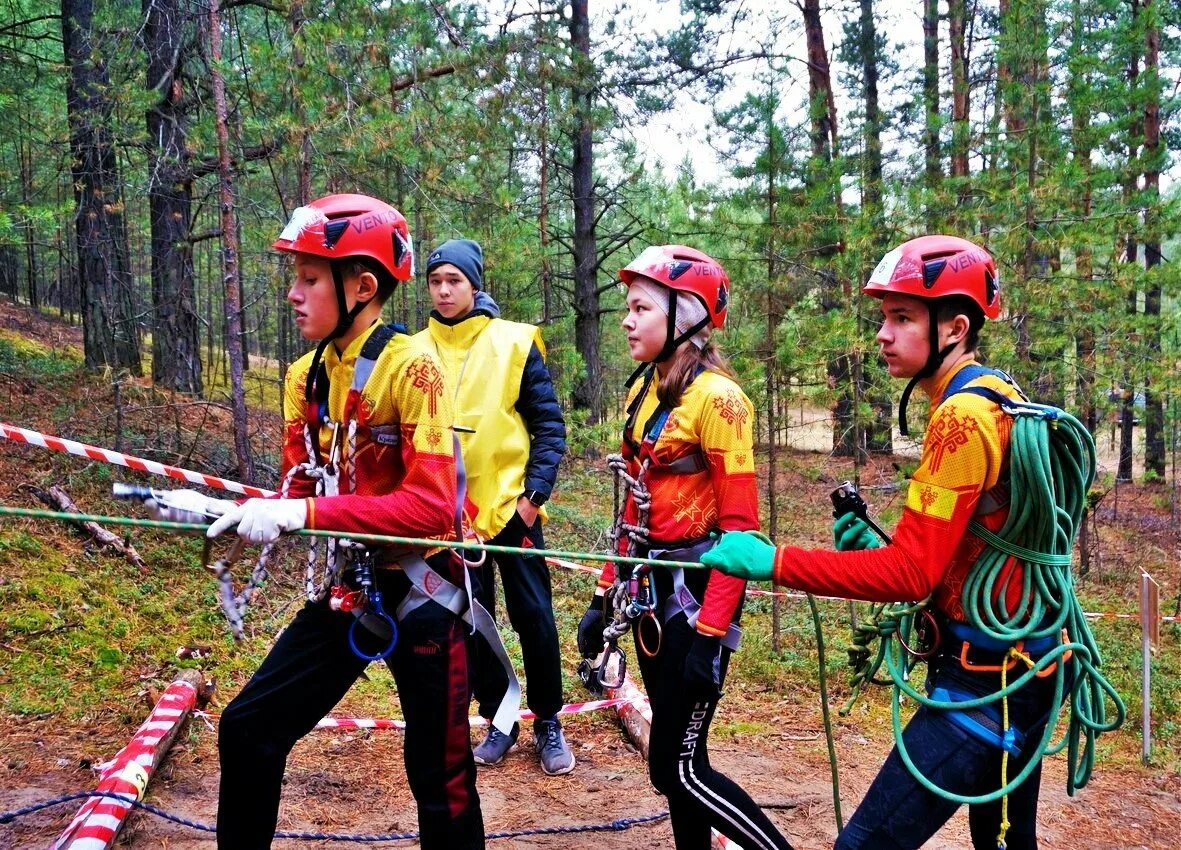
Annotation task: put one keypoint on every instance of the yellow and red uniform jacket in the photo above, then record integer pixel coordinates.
(715, 419)
(405, 461)
(965, 457)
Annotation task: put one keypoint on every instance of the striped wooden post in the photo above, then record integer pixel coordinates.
(99, 820)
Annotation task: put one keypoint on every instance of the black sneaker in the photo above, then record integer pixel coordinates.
(552, 749)
(495, 746)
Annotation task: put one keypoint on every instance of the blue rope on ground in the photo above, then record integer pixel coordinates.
(617, 825)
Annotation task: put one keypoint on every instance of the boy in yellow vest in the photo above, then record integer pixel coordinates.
(512, 435)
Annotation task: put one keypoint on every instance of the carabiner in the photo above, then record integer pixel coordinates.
(374, 610)
(929, 636)
(649, 616)
(613, 667)
(372, 607)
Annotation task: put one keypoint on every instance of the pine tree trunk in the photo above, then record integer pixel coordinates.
(933, 167)
(229, 255)
(956, 21)
(176, 346)
(110, 336)
(879, 435)
(543, 183)
(1124, 468)
(25, 153)
(1081, 151)
(588, 389)
(834, 295)
(1154, 410)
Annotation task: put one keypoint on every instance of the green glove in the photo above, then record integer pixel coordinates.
(743, 555)
(850, 532)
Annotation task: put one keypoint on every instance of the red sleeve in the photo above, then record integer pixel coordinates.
(607, 575)
(907, 570)
(727, 441)
(963, 454)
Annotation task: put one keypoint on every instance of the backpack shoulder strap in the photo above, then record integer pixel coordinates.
(959, 382)
(372, 350)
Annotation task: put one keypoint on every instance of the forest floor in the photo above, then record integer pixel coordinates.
(87, 640)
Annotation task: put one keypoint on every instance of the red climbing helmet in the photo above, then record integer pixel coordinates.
(340, 226)
(936, 267)
(685, 270)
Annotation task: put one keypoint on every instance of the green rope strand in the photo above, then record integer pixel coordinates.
(832, 750)
(383, 539)
(427, 543)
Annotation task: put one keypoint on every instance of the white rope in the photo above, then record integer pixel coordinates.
(636, 535)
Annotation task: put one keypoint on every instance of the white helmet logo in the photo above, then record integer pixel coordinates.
(885, 269)
(301, 219)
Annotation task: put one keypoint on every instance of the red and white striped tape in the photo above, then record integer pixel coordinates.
(58, 444)
(98, 821)
(474, 721)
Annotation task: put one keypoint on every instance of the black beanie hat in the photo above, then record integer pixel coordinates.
(465, 254)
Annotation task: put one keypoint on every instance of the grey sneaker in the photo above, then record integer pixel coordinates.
(495, 746)
(552, 748)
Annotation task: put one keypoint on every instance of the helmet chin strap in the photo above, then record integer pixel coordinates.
(671, 340)
(935, 358)
(343, 323)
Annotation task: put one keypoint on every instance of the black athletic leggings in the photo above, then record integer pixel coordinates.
(699, 797)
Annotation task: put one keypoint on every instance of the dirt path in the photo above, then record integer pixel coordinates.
(355, 783)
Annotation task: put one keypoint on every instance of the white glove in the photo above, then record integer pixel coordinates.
(262, 520)
(186, 506)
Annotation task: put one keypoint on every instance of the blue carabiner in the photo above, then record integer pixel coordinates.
(373, 608)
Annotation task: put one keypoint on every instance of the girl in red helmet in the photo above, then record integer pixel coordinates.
(935, 293)
(688, 457)
(368, 448)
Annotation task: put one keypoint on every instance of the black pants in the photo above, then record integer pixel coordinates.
(528, 596)
(307, 672)
(699, 797)
(899, 814)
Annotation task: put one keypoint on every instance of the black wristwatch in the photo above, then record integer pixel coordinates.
(536, 497)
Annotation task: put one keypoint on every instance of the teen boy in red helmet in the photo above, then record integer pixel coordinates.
(366, 409)
(935, 293)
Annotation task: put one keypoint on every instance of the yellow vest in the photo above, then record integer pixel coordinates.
(483, 361)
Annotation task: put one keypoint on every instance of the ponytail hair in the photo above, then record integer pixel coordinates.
(688, 362)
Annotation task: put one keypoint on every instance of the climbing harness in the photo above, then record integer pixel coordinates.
(347, 579)
(1051, 469)
(632, 599)
(325, 473)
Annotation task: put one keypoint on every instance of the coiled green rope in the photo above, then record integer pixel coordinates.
(1052, 467)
